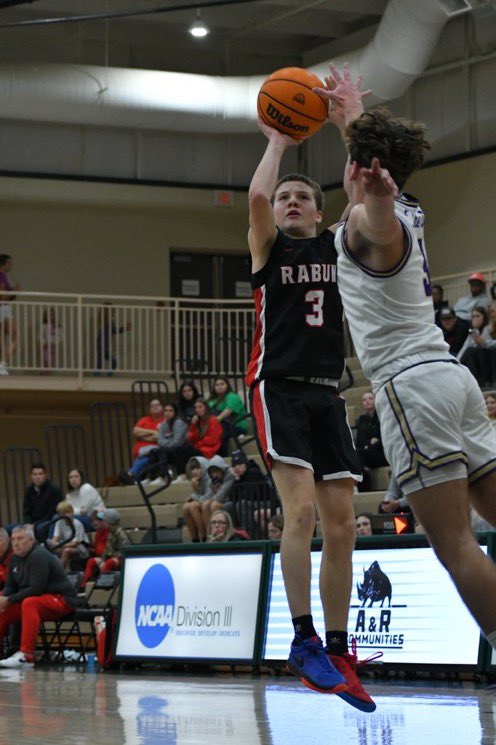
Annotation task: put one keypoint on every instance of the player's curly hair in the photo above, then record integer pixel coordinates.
(315, 187)
(399, 144)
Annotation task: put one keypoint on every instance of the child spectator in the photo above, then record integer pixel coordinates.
(186, 397)
(51, 337)
(275, 526)
(77, 547)
(227, 407)
(8, 325)
(111, 559)
(83, 497)
(99, 534)
(196, 473)
(475, 352)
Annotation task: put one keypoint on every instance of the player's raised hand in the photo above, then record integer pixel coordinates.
(273, 134)
(377, 181)
(344, 94)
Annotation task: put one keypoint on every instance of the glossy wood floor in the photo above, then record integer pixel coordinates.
(74, 707)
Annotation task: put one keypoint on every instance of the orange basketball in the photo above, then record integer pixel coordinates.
(287, 103)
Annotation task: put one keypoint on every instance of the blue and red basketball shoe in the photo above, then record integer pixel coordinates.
(347, 665)
(309, 662)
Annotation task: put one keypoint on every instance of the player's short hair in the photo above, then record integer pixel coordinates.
(400, 144)
(315, 187)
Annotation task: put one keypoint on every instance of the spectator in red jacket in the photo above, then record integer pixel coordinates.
(204, 438)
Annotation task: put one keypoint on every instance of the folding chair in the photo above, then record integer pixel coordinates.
(68, 634)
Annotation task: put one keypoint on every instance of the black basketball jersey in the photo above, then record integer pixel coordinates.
(299, 324)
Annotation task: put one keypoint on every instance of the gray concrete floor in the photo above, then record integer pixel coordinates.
(72, 707)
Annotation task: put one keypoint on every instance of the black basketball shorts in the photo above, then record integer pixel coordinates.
(306, 425)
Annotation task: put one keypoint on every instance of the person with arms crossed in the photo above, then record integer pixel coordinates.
(302, 428)
(436, 433)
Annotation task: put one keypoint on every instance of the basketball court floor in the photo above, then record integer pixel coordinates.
(72, 707)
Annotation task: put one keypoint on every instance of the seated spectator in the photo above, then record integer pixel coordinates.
(275, 526)
(437, 300)
(394, 499)
(196, 472)
(83, 497)
(475, 352)
(246, 492)
(455, 330)
(145, 432)
(204, 438)
(40, 501)
(477, 298)
(491, 348)
(368, 442)
(5, 556)
(99, 534)
(36, 590)
(219, 487)
(491, 408)
(78, 541)
(492, 291)
(227, 407)
(364, 524)
(172, 434)
(221, 530)
(111, 559)
(187, 395)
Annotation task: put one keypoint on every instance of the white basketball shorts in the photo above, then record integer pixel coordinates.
(5, 311)
(434, 426)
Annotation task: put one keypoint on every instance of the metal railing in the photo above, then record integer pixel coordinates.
(83, 335)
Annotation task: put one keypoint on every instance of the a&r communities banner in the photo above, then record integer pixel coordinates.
(403, 604)
(200, 606)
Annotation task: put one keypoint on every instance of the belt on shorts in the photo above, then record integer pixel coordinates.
(329, 382)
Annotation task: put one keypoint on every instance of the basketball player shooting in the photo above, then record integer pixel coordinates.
(436, 434)
(300, 419)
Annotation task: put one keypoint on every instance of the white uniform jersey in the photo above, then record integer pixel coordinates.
(390, 314)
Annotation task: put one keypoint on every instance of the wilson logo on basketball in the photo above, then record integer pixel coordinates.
(300, 98)
(285, 120)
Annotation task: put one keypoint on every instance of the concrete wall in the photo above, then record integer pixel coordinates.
(115, 239)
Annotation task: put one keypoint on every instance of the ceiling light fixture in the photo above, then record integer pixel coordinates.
(199, 28)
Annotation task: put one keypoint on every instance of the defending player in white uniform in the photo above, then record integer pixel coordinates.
(435, 429)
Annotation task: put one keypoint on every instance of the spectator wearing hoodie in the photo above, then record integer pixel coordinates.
(219, 487)
(196, 473)
(172, 435)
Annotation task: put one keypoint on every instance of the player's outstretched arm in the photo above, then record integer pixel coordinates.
(345, 96)
(263, 229)
(373, 230)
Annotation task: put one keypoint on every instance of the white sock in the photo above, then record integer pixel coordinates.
(491, 638)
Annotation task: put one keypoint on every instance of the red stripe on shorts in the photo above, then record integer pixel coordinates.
(258, 413)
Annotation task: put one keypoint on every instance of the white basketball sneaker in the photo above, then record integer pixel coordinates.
(17, 660)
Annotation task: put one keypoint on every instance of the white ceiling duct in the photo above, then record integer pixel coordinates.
(145, 99)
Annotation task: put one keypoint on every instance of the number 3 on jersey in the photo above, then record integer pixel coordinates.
(316, 299)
